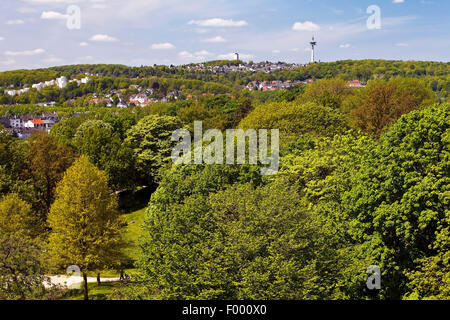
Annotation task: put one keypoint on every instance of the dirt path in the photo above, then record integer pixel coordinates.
(72, 281)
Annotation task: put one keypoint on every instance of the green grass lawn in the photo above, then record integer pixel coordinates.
(95, 292)
(132, 231)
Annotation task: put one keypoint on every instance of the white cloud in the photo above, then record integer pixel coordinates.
(25, 52)
(103, 38)
(401, 44)
(84, 44)
(15, 22)
(203, 53)
(199, 55)
(398, 1)
(1, 38)
(185, 54)
(232, 56)
(218, 39)
(162, 46)
(276, 51)
(53, 15)
(345, 46)
(305, 26)
(218, 22)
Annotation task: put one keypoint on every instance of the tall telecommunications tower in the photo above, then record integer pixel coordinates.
(237, 56)
(313, 44)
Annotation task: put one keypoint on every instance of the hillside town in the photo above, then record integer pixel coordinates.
(267, 67)
(147, 96)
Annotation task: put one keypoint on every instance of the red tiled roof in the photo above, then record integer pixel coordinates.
(37, 121)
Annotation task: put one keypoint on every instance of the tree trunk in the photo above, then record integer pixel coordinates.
(99, 283)
(86, 297)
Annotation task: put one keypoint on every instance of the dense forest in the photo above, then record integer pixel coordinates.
(364, 180)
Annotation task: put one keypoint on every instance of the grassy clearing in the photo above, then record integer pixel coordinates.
(95, 292)
(132, 231)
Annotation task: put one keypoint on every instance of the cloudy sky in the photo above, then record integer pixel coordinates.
(42, 33)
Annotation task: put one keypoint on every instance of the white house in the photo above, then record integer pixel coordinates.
(38, 86)
(49, 83)
(140, 97)
(34, 124)
(61, 82)
(85, 80)
(24, 90)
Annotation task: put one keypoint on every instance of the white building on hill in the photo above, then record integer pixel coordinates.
(61, 82)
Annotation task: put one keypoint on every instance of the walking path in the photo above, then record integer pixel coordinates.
(71, 281)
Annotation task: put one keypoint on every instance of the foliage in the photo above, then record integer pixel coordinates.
(327, 92)
(382, 103)
(400, 200)
(107, 151)
(293, 119)
(21, 271)
(84, 221)
(46, 165)
(16, 215)
(151, 142)
(211, 118)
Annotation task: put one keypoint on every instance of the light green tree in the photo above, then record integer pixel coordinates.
(84, 221)
(16, 216)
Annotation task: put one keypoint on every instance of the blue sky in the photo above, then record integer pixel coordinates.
(34, 33)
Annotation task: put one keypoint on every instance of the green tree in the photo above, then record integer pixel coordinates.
(272, 246)
(293, 119)
(327, 92)
(107, 151)
(47, 162)
(212, 118)
(92, 138)
(16, 216)
(151, 142)
(84, 221)
(383, 103)
(13, 161)
(21, 270)
(242, 111)
(65, 130)
(400, 203)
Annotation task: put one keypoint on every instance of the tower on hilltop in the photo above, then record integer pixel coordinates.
(313, 43)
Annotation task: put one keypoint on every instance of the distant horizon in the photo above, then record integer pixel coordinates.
(197, 63)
